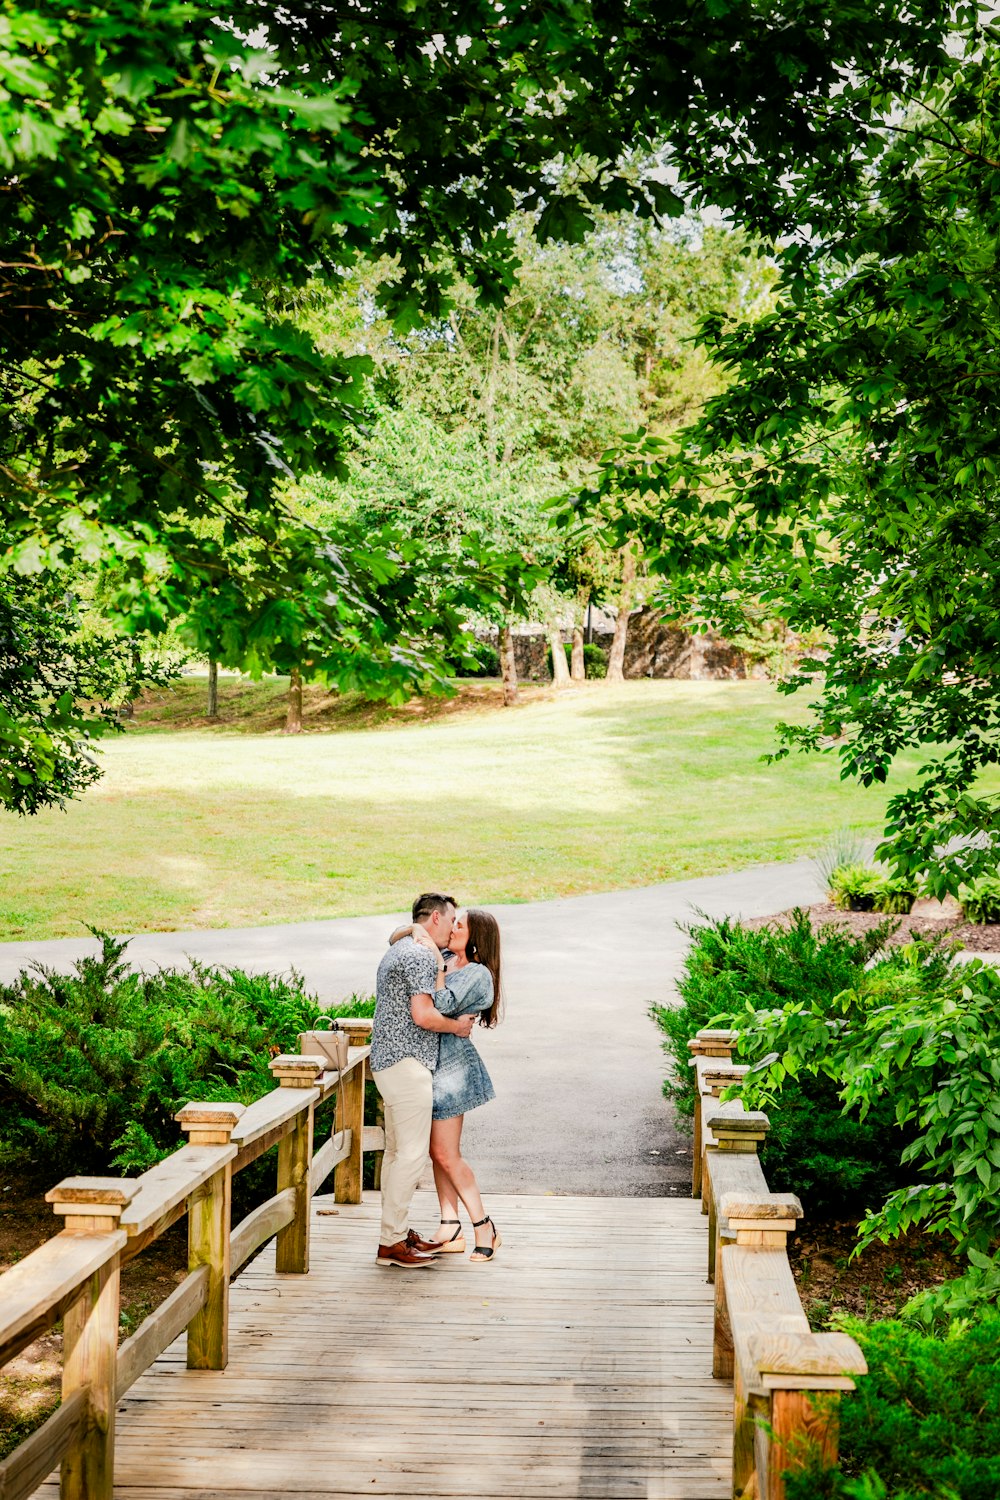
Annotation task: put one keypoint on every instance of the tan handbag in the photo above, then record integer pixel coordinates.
(330, 1045)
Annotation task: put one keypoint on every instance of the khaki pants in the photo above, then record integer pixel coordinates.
(406, 1094)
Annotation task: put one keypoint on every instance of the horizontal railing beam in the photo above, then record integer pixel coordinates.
(158, 1331)
(258, 1227)
(171, 1182)
(337, 1149)
(39, 1288)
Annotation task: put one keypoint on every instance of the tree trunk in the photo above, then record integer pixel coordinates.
(293, 715)
(508, 666)
(213, 689)
(616, 661)
(577, 670)
(127, 709)
(560, 668)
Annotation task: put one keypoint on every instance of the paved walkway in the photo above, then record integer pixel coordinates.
(576, 1063)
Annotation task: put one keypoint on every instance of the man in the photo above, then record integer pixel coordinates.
(404, 1054)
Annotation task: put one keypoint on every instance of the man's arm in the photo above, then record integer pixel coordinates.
(423, 1013)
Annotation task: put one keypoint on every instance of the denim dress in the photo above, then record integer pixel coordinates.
(460, 1079)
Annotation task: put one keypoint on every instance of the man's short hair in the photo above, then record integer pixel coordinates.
(430, 902)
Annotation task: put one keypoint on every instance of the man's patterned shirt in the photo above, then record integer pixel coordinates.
(407, 969)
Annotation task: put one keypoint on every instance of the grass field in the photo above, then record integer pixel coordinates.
(597, 789)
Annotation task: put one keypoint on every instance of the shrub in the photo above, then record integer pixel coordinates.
(595, 661)
(95, 1064)
(863, 888)
(981, 899)
(835, 1160)
(846, 846)
(481, 660)
(916, 1042)
(925, 1420)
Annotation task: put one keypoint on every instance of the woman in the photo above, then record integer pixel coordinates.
(468, 983)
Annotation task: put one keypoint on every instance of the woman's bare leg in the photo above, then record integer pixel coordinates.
(446, 1155)
(448, 1199)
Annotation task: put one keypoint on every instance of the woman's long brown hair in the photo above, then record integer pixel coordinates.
(483, 947)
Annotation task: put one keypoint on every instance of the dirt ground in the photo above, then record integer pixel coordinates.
(875, 1284)
(975, 939)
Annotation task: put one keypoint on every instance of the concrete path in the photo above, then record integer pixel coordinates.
(576, 1063)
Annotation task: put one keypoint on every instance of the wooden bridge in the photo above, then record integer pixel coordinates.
(593, 1359)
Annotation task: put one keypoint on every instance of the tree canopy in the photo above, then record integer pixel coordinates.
(170, 178)
(848, 474)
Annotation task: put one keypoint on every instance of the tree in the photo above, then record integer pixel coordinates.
(616, 659)
(61, 687)
(169, 185)
(482, 533)
(593, 338)
(848, 475)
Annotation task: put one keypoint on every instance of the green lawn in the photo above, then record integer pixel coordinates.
(599, 789)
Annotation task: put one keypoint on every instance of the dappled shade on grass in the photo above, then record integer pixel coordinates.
(600, 789)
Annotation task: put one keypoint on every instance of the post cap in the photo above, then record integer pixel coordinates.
(297, 1070)
(733, 1120)
(770, 1206)
(103, 1197)
(356, 1025)
(712, 1043)
(715, 1070)
(218, 1115)
(796, 1360)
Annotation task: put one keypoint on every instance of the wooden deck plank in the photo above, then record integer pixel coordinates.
(577, 1366)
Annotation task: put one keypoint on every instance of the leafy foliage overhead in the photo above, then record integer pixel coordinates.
(163, 173)
(171, 177)
(848, 474)
(61, 686)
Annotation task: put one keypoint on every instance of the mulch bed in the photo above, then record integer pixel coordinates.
(967, 935)
(876, 1283)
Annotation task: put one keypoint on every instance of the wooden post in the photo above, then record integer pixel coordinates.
(802, 1376)
(735, 1131)
(712, 1075)
(804, 1425)
(350, 1116)
(705, 1043)
(209, 1225)
(708, 1043)
(291, 1245)
(722, 1333)
(764, 1223)
(92, 1205)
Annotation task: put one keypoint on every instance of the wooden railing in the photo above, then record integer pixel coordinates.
(75, 1275)
(786, 1380)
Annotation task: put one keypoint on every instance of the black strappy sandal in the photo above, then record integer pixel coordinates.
(483, 1253)
(454, 1246)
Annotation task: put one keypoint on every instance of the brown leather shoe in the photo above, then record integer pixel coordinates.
(402, 1254)
(426, 1247)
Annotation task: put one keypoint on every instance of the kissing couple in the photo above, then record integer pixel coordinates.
(439, 976)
